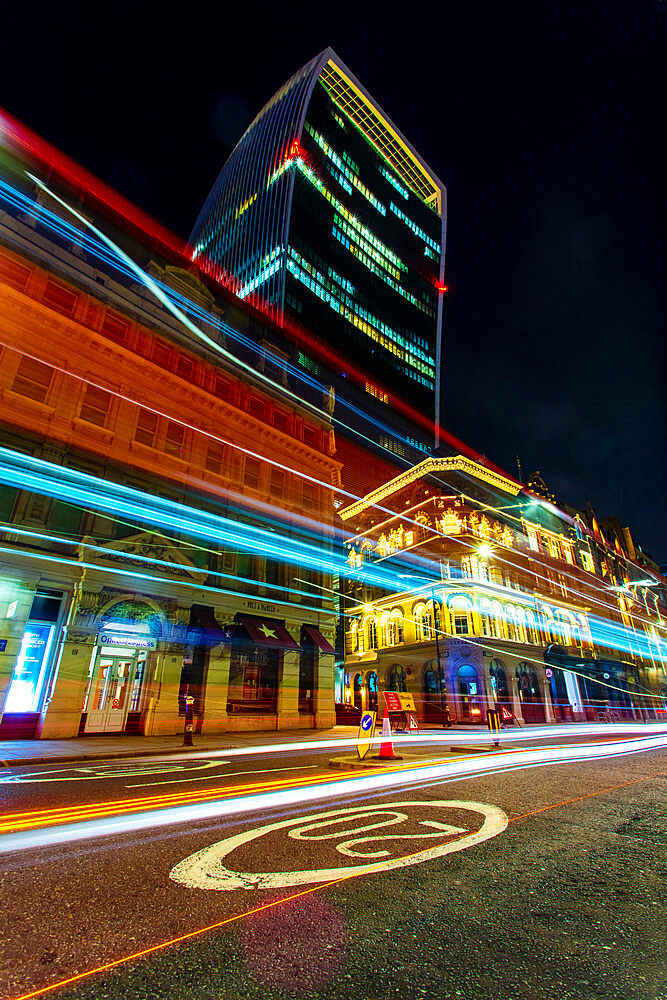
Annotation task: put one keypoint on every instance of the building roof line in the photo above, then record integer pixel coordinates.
(415, 171)
(457, 463)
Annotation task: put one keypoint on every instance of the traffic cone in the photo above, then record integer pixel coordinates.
(387, 751)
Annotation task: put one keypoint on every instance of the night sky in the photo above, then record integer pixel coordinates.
(545, 121)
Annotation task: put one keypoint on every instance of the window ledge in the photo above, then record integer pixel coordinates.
(26, 403)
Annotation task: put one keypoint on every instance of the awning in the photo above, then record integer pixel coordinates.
(267, 632)
(318, 638)
(204, 626)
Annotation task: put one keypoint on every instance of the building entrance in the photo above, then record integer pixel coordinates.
(115, 688)
(109, 691)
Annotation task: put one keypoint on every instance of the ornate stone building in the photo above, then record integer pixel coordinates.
(165, 513)
(495, 596)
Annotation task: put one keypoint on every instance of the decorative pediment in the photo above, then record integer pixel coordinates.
(139, 550)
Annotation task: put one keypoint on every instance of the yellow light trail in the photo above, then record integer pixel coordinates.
(39, 818)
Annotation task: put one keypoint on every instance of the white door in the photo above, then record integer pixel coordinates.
(108, 699)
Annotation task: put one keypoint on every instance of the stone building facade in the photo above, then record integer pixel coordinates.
(165, 513)
(498, 598)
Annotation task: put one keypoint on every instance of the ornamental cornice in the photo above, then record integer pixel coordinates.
(457, 463)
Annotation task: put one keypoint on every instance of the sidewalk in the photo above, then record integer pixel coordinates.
(14, 753)
(17, 752)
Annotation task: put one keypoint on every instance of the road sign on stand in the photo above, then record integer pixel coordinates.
(367, 730)
(399, 705)
(506, 715)
(413, 725)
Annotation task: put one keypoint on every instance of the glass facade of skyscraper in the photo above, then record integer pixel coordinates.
(324, 213)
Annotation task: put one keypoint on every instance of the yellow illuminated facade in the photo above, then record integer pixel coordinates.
(500, 599)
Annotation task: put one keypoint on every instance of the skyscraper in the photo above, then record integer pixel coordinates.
(325, 214)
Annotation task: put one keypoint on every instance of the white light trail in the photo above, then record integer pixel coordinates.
(385, 781)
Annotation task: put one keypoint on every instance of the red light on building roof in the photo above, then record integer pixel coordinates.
(295, 150)
(442, 288)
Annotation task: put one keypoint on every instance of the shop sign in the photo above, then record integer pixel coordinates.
(259, 606)
(134, 641)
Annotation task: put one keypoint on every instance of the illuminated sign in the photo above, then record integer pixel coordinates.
(30, 670)
(119, 639)
(11, 610)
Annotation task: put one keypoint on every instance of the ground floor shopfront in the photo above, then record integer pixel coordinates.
(88, 657)
(461, 680)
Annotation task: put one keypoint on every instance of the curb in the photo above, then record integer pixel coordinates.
(119, 755)
(355, 763)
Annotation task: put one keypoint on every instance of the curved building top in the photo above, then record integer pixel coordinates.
(326, 213)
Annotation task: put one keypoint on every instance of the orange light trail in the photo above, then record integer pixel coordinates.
(366, 870)
(39, 818)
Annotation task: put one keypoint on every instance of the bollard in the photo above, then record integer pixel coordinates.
(493, 722)
(189, 719)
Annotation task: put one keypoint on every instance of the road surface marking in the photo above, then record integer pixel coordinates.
(205, 870)
(95, 773)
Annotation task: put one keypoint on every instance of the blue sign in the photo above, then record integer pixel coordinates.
(30, 671)
(366, 722)
(3, 645)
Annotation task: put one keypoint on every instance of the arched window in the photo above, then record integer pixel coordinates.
(485, 615)
(353, 637)
(520, 618)
(531, 628)
(395, 628)
(510, 623)
(498, 620)
(372, 633)
(459, 613)
(383, 632)
(423, 623)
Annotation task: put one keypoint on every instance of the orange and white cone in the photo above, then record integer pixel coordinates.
(387, 751)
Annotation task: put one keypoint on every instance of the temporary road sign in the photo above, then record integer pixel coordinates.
(399, 701)
(367, 729)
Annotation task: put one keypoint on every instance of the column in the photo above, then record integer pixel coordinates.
(162, 718)
(61, 715)
(516, 701)
(288, 691)
(323, 695)
(217, 683)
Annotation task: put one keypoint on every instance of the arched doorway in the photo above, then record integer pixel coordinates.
(396, 678)
(499, 684)
(358, 692)
(372, 692)
(532, 704)
(469, 693)
(116, 688)
(434, 690)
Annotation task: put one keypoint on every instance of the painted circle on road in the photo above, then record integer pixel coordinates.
(205, 869)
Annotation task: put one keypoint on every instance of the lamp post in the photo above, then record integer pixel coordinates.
(446, 722)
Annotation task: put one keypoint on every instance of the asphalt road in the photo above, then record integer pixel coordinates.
(564, 900)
